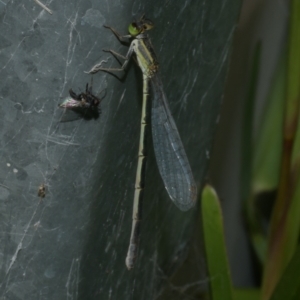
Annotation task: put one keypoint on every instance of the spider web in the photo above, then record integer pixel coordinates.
(72, 243)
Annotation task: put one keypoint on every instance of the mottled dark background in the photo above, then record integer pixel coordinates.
(72, 244)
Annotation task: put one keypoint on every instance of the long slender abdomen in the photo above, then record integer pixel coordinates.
(139, 180)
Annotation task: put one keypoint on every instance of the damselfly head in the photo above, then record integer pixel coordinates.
(140, 26)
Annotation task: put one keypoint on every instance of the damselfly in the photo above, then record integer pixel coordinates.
(84, 104)
(170, 155)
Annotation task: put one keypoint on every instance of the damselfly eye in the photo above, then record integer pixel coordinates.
(133, 29)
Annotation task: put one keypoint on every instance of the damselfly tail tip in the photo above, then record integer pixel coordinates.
(131, 255)
(129, 264)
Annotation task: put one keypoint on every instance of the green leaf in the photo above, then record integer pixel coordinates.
(217, 263)
(288, 288)
(268, 144)
(266, 159)
(284, 229)
(246, 294)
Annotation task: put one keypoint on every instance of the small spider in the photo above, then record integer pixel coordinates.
(85, 104)
(42, 191)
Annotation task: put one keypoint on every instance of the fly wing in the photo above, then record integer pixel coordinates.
(75, 110)
(170, 155)
(69, 102)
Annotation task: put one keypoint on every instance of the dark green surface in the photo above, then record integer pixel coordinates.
(72, 245)
(288, 287)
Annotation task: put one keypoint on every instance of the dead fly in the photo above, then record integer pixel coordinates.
(85, 105)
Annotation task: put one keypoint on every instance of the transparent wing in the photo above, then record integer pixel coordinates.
(75, 110)
(69, 102)
(171, 158)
